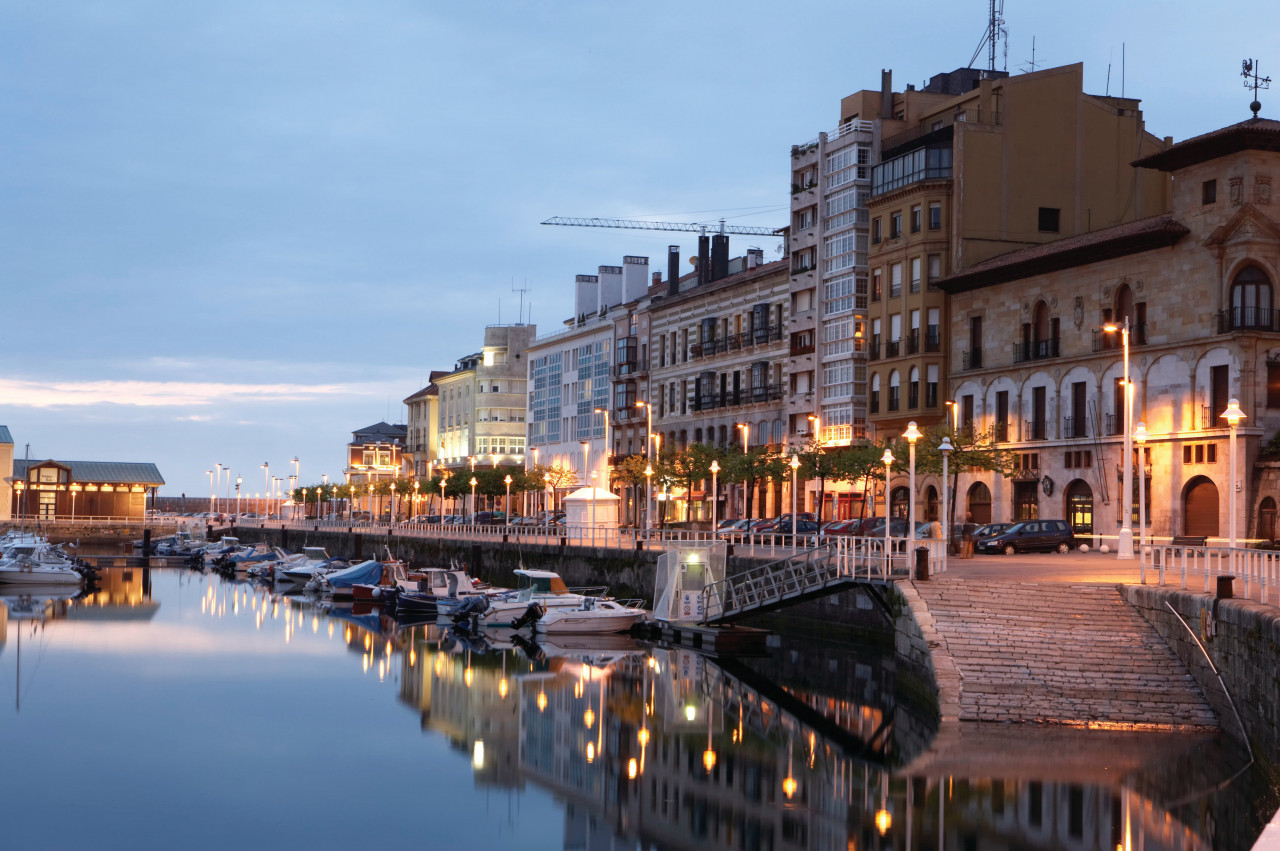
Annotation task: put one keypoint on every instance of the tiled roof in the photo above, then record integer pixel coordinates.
(108, 472)
(429, 390)
(4, 435)
(1256, 134)
(1118, 241)
(380, 432)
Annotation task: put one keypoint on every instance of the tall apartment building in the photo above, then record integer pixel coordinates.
(422, 441)
(718, 364)
(570, 373)
(974, 165)
(482, 402)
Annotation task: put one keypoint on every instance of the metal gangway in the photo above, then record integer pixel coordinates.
(814, 573)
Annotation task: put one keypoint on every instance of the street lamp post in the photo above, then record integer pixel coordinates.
(593, 508)
(715, 471)
(795, 468)
(887, 458)
(508, 480)
(1125, 548)
(953, 410)
(442, 479)
(746, 435)
(218, 486)
(648, 496)
(266, 478)
(1233, 415)
(912, 434)
(304, 504)
(546, 477)
(394, 515)
(324, 493)
(586, 450)
(239, 479)
(648, 436)
(209, 473)
(473, 499)
(1140, 437)
(945, 448)
(297, 477)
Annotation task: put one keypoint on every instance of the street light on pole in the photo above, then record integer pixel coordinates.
(1125, 548)
(239, 479)
(209, 473)
(1233, 415)
(887, 458)
(442, 480)
(715, 471)
(586, 450)
(266, 478)
(473, 499)
(795, 467)
(945, 448)
(953, 411)
(912, 434)
(508, 481)
(648, 498)
(1140, 437)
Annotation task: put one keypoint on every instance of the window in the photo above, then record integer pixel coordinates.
(803, 220)
(875, 231)
(895, 280)
(915, 219)
(895, 225)
(935, 270)
(894, 381)
(1273, 385)
(935, 215)
(1049, 217)
(966, 411)
(915, 274)
(875, 285)
(913, 389)
(1251, 299)
(1208, 192)
(838, 294)
(931, 386)
(875, 394)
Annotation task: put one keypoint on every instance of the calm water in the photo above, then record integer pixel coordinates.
(177, 710)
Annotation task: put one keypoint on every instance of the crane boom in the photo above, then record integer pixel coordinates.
(638, 224)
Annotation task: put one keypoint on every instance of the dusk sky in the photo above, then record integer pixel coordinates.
(236, 231)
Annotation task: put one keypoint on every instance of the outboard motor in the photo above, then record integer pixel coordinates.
(470, 607)
(531, 616)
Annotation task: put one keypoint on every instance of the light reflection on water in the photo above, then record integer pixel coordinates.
(171, 708)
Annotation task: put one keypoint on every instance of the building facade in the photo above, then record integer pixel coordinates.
(422, 442)
(6, 473)
(376, 453)
(49, 490)
(482, 403)
(1197, 288)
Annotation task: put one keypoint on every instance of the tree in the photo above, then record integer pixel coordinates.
(817, 462)
(976, 450)
(859, 462)
(748, 468)
(686, 467)
(631, 474)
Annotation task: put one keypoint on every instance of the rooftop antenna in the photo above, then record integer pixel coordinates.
(1122, 69)
(995, 32)
(1253, 81)
(1109, 73)
(524, 288)
(1030, 67)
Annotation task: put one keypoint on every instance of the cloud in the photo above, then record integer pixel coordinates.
(195, 418)
(156, 394)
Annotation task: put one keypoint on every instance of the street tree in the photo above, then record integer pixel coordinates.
(750, 467)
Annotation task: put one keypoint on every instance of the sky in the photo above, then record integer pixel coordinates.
(235, 232)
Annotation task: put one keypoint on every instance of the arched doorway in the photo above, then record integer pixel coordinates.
(979, 504)
(899, 498)
(1200, 508)
(1267, 520)
(1079, 498)
(931, 504)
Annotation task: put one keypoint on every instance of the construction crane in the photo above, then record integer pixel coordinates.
(639, 224)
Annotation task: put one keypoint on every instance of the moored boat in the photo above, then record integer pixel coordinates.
(593, 616)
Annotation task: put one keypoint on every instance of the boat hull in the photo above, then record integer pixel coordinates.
(583, 623)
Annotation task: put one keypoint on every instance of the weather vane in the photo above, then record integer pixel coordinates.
(1253, 81)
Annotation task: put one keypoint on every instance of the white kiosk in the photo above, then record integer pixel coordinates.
(591, 514)
(683, 571)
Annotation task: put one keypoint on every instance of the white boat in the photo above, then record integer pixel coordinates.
(593, 616)
(544, 587)
(315, 562)
(38, 563)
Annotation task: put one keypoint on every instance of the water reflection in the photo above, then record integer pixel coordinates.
(666, 747)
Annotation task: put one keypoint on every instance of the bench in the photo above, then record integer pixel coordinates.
(1189, 540)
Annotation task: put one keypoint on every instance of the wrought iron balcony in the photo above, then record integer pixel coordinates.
(736, 398)
(1036, 430)
(933, 339)
(1248, 319)
(737, 342)
(1073, 427)
(1035, 350)
(971, 360)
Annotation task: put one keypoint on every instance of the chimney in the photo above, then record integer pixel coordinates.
(635, 277)
(657, 279)
(886, 93)
(673, 269)
(704, 259)
(719, 256)
(755, 257)
(610, 286)
(588, 292)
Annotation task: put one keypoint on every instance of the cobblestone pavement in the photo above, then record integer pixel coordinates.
(1056, 652)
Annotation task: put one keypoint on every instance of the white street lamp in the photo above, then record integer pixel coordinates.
(912, 434)
(1140, 437)
(1125, 548)
(442, 480)
(887, 459)
(945, 448)
(473, 499)
(239, 479)
(324, 494)
(209, 473)
(1233, 415)
(507, 480)
(648, 498)
(608, 443)
(715, 471)
(746, 436)
(795, 467)
(266, 480)
(218, 487)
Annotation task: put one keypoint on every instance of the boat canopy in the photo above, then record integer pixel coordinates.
(364, 573)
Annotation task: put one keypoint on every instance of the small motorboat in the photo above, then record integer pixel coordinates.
(341, 582)
(593, 616)
(38, 563)
(544, 587)
(315, 561)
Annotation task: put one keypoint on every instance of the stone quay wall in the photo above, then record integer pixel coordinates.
(1242, 638)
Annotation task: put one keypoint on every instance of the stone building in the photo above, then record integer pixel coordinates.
(1197, 286)
(376, 453)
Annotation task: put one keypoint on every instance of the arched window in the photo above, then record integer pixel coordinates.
(931, 503)
(1040, 327)
(875, 393)
(761, 436)
(697, 435)
(1124, 305)
(894, 381)
(913, 389)
(1251, 300)
(899, 503)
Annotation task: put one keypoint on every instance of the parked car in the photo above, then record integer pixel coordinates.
(988, 530)
(729, 527)
(1029, 536)
(840, 527)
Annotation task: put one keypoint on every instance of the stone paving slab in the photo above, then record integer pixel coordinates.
(1054, 653)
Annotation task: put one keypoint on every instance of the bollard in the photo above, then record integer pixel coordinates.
(146, 542)
(728, 550)
(639, 545)
(922, 564)
(1224, 587)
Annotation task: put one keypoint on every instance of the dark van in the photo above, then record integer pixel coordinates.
(1030, 536)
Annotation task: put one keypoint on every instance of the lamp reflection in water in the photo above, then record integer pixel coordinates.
(884, 820)
(709, 755)
(789, 784)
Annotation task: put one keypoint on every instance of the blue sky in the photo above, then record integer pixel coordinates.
(233, 232)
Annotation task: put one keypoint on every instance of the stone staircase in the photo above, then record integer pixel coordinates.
(1054, 654)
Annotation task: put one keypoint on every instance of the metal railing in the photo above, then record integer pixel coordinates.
(1180, 563)
(1248, 319)
(734, 398)
(736, 342)
(1035, 350)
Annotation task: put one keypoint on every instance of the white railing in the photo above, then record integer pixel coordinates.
(1180, 563)
(33, 523)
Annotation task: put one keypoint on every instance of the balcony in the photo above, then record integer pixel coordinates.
(1035, 350)
(737, 342)
(1248, 319)
(737, 398)
(1073, 427)
(1002, 430)
(873, 350)
(971, 360)
(629, 369)
(913, 342)
(933, 339)
(1036, 430)
(891, 348)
